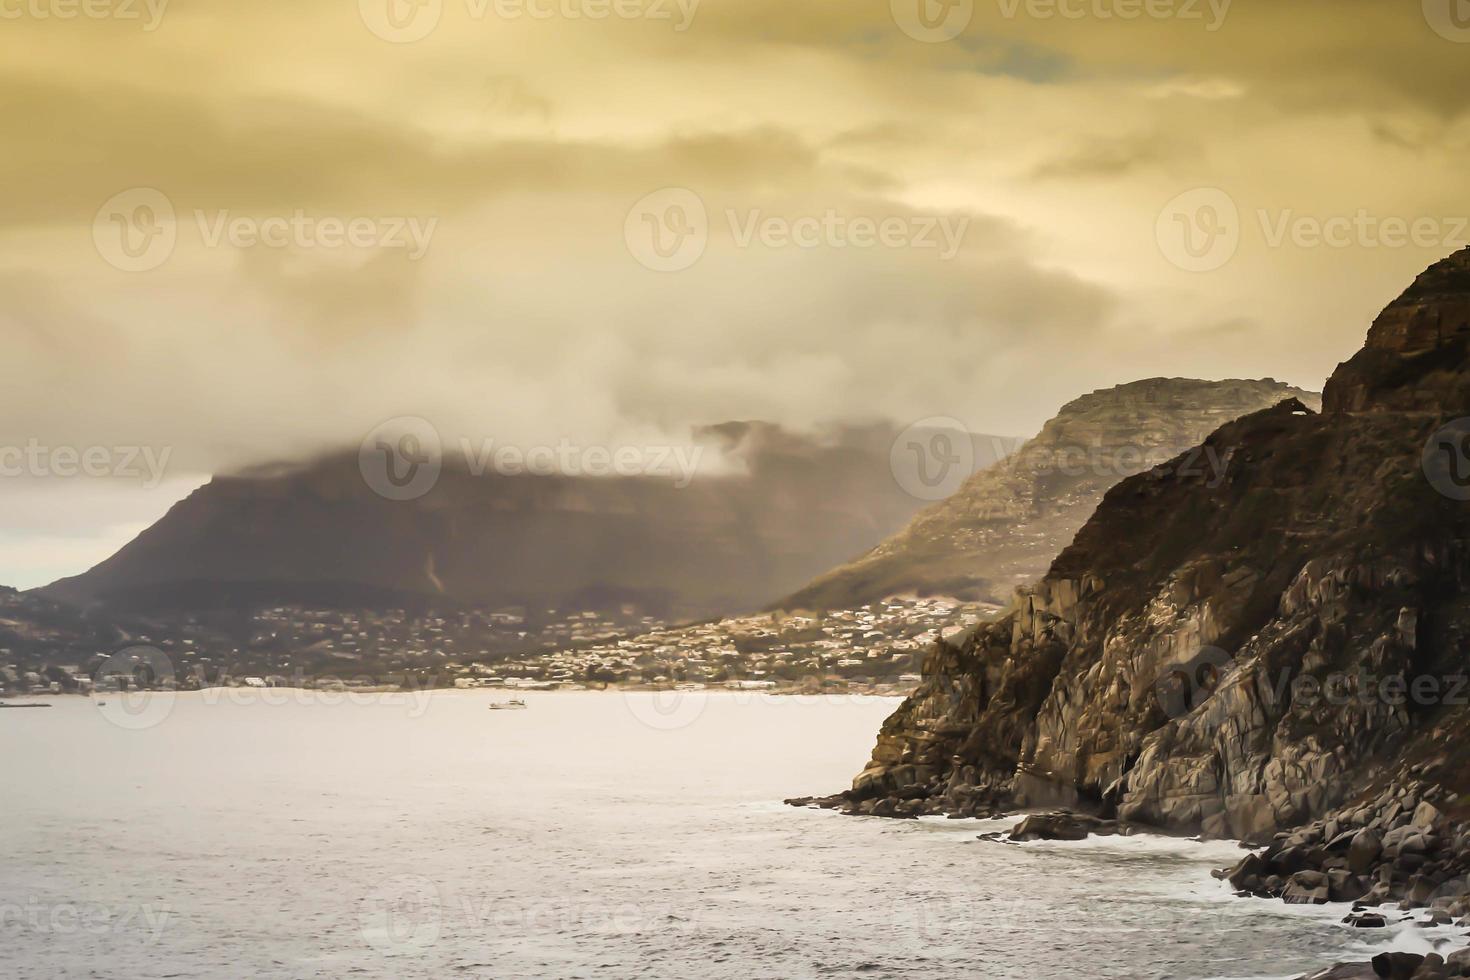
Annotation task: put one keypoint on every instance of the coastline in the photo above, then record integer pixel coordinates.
(1419, 943)
(1352, 948)
(1406, 936)
(326, 693)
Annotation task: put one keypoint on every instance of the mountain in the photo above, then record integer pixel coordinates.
(1003, 527)
(1282, 648)
(319, 534)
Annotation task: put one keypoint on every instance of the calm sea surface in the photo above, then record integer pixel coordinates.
(593, 835)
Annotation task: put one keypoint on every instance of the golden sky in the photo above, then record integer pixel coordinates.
(250, 230)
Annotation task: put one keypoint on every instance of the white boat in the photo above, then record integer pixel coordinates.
(514, 704)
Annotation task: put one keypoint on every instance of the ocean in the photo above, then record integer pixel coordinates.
(302, 834)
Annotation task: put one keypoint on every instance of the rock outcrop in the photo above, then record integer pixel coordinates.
(1243, 654)
(1004, 526)
(1398, 846)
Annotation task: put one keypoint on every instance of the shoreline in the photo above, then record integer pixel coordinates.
(1351, 962)
(25, 700)
(1440, 914)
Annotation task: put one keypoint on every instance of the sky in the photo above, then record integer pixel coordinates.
(241, 233)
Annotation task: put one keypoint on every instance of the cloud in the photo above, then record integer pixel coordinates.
(1111, 157)
(529, 317)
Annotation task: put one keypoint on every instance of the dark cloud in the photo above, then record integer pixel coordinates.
(529, 318)
(1103, 157)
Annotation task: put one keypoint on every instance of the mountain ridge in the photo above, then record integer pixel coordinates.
(1003, 527)
(722, 544)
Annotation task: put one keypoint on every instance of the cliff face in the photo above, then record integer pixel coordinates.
(318, 534)
(1235, 655)
(1005, 525)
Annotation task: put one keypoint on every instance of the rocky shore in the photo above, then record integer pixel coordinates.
(1384, 860)
(1396, 853)
(1400, 966)
(1399, 848)
(1273, 652)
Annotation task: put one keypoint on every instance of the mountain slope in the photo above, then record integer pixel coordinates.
(318, 534)
(1224, 657)
(1006, 524)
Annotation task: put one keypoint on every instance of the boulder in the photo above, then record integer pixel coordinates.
(1396, 966)
(1364, 850)
(1247, 874)
(1306, 888)
(1419, 892)
(1344, 886)
(1433, 968)
(1054, 826)
(1288, 860)
(1426, 815)
(1366, 920)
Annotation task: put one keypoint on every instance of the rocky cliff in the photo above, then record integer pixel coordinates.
(1283, 644)
(1006, 524)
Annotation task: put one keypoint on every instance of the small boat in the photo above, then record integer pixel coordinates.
(514, 704)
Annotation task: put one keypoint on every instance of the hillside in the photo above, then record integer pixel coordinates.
(1005, 525)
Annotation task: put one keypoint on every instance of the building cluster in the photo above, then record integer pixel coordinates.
(44, 648)
(879, 646)
(290, 639)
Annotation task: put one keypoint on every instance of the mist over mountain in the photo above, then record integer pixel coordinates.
(772, 509)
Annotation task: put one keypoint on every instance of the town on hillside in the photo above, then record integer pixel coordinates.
(878, 648)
